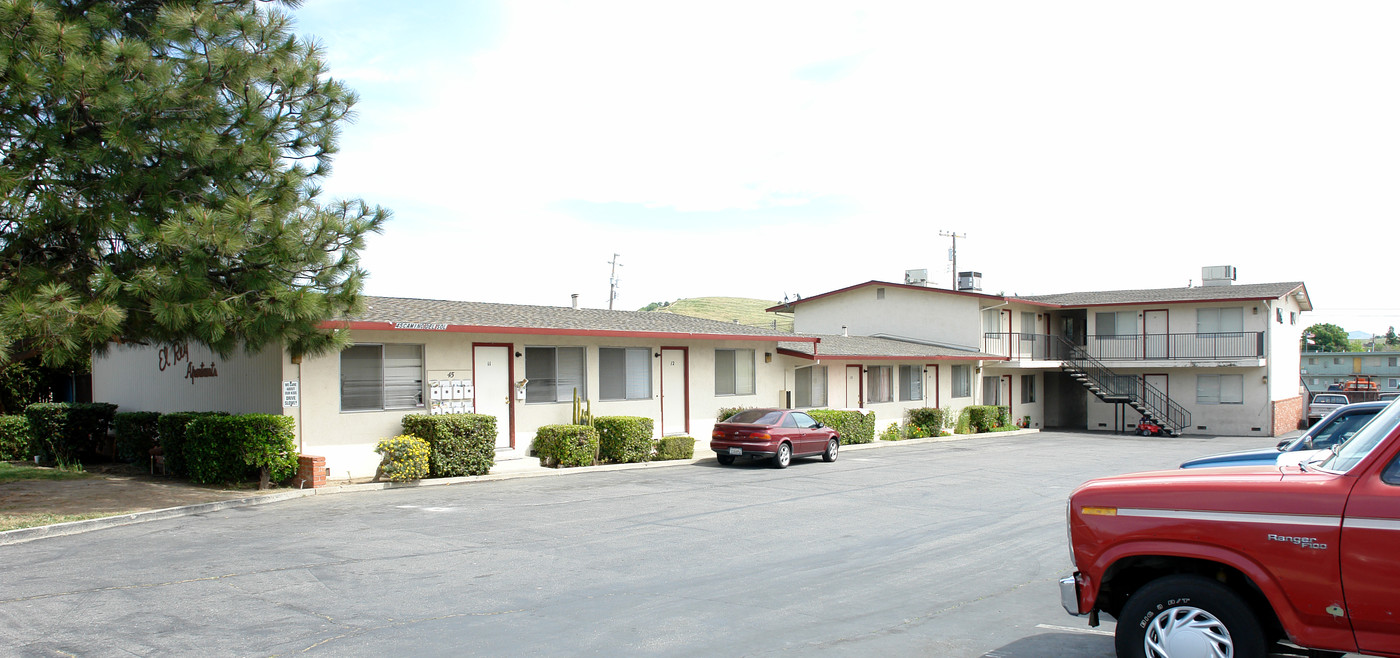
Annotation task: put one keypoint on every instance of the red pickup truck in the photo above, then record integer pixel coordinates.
(1231, 561)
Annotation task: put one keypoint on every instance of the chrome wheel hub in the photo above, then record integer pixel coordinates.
(1187, 632)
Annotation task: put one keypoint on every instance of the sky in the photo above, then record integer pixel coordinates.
(770, 149)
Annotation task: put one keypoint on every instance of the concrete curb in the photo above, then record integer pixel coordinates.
(23, 535)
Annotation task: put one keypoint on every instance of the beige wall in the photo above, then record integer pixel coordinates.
(187, 378)
(947, 318)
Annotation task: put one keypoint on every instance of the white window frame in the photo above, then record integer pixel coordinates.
(552, 387)
(731, 366)
(392, 394)
(1219, 389)
(635, 374)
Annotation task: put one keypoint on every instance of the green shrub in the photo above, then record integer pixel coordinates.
(62, 432)
(964, 424)
(229, 449)
(624, 439)
(725, 412)
(405, 458)
(171, 431)
(14, 438)
(675, 447)
(458, 444)
(136, 434)
(891, 433)
(567, 445)
(983, 418)
(929, 421)
(854, 426)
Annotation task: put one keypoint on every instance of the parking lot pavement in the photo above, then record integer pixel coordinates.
(940, 548)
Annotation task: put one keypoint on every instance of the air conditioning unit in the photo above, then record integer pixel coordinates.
(970, 281)
(916, 277)
(1217, 275)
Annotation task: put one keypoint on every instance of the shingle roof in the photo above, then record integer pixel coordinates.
(869, 347)
(437, 314)
(1175, 295)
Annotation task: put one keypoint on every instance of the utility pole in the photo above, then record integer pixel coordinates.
(953, 253)
(612, 281)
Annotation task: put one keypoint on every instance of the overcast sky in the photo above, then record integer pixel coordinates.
(757, 149)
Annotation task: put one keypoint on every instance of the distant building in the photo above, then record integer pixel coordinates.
(1322, 369)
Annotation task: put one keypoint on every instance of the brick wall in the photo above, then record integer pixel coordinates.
(1288, 415)
(311, 472)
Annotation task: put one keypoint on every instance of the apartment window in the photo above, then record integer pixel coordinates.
(555, 373)
(1219, 389)
(880, 383)
(1392, 383)
(377, 377)
(1123, 323)
(1390, 361)
(810, 386)
(991, 321)
(879, 293)
(962, 381)
(911, 383)
(1312, 361)
(624, 373)
(991, 390)
(1292, 317)
(1336, 361)
(734, 372)
(1220, 320)
(1027, 389)
(1027, 323)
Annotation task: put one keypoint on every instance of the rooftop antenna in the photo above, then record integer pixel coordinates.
(612, 281)
(953, 253)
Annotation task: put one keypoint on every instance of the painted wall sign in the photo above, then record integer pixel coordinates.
(430, 326)
(168, 356)
(192, 373)
(291, 393)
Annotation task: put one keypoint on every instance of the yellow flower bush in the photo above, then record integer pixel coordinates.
(405, 458)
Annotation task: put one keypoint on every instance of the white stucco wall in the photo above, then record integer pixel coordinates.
(944, 317)
(188, 377)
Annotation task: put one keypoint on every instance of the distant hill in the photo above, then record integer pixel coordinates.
(726, 309)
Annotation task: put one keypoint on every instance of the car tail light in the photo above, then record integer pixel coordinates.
(718, 434)
(761, 436)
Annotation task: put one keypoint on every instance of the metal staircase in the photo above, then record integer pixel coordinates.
(1131, 390)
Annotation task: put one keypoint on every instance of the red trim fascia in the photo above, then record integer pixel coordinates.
(1183, 301)
(869, 357)
(685, 373)
(510, 383)
(905, 286)
(801, 355)
(361, 325)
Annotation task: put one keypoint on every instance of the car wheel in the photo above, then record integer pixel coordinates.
(725, 460)
(1187, 615)
(784, 456)
(832, 447)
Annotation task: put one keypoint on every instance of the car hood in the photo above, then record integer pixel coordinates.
(1238, 458)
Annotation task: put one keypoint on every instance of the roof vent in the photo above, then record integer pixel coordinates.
(970, 281)
(1217, 275)
(916, 277)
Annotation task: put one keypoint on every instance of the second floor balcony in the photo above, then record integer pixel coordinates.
(1221, 346)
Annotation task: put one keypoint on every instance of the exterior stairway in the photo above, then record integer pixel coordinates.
(1131, 390)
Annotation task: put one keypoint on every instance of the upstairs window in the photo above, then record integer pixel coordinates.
(379, 377)
(1122, 323)
(1219, 320)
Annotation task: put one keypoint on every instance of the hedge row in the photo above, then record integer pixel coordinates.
(172, 428)
(982, 418)
(567, 445)
(929, 421)
(458, 444)
(61, 432)
(675, 447)
(136, 433)
(624, 439)
(854, 426)
(221, 449)
(14, 437)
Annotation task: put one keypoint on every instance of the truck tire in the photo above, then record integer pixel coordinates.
(1187, 615)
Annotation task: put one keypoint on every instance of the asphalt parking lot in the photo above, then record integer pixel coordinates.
(936, 549)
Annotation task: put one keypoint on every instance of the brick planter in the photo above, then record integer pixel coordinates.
(311, 472)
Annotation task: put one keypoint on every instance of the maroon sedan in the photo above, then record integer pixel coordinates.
(777, 434)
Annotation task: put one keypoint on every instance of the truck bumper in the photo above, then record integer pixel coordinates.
(1069, 595)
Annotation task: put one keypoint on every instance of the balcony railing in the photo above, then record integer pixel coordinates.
(1139, 347)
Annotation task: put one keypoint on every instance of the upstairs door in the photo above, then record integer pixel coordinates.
(492, 376)
(675, 391)
(1155, 335)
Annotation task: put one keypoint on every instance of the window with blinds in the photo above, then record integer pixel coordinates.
(555, 373)
(1219, 320)
(962, 381)
(378, 377)
(911, 383)
(1219, 389)
(809, 386)
(734, 371)
(624, 373)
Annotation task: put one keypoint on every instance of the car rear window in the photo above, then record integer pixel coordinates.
(756, 417)
(1330, 399)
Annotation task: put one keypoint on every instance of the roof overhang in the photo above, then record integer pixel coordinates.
(434, 327)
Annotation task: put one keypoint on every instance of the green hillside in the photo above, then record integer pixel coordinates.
(726, 309)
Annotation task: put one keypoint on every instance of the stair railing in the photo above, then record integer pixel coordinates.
(1134, 388)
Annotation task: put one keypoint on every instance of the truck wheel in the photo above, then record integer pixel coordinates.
(1187, 615)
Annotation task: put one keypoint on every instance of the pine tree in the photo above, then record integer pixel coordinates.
(159, 162)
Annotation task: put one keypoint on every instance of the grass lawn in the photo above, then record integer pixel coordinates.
(16, 471)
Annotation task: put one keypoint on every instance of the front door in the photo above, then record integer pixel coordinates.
(675, 391)
(853, 392)
(1370, 573)
(931, 385)
(1155, 335)
(491, 375)
(1159, 383)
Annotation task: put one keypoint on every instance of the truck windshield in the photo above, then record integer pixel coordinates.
(1349, 454)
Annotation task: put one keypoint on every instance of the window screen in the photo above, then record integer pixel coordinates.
(911, 383)
(624, 373)
(554, 373)
(734, 372)
(375, 377)
(809, 386)
(880, 383)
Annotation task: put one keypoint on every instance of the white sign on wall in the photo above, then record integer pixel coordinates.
(291, 393)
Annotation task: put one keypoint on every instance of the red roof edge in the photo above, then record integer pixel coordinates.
(543, 331)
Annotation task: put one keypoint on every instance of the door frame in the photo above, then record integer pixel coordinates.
(936, 384)
(685, 385)
(510, 384)
(1168, 334)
